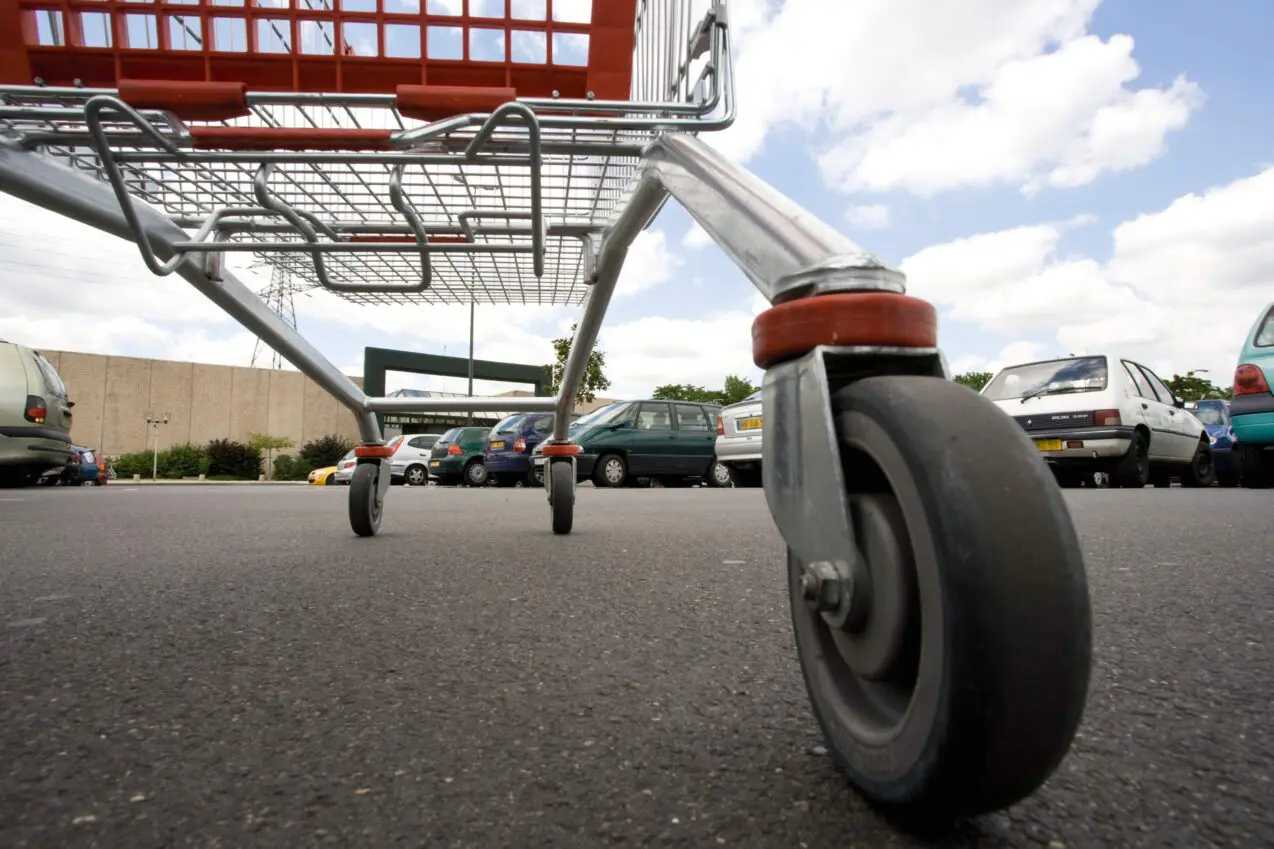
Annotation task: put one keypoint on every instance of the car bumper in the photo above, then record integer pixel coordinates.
(1077, 444)
(445, 466)
(1253, 419)
(740, 450)
(28, 446)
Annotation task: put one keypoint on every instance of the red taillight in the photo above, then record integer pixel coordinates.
(1250, 380)
(396, 443)
(519, 445)
(36, 411)
(720, 426)
(1107, 418)
(454, 449)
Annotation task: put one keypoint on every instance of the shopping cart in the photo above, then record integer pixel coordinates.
(510, 152)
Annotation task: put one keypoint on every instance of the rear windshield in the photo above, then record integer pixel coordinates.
(1265, 336)
(450, 436)
(509, 425)
(1053, 377)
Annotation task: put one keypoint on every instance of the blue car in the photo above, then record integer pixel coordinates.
(509, 447)
(1215, 415)
(1252, 409)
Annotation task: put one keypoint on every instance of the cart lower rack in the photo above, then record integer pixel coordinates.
(938, 593)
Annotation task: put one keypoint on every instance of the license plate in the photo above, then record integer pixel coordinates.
(1048, 444)
(496, 445)
(750, 424)
(539, 461)
(433, 464)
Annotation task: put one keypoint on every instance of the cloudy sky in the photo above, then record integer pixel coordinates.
(1056, 175)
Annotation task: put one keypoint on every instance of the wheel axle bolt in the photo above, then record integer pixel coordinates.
(821, 586)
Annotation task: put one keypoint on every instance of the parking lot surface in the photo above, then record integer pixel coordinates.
(201, 666)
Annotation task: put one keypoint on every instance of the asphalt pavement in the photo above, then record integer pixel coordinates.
(231, 667)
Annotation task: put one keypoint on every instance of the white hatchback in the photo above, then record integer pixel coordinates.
(410, 461)
(1103, 413)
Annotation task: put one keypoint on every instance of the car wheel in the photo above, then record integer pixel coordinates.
(1132, 471)
(1202, 468)
(719, 475)
(475, 474)
(1258, 467)
(330, 480)
(611, 471)
(416, 475)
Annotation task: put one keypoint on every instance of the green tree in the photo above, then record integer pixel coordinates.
(595, 379)
(269, 444)
(736, 389)
(1191, 387)
(975, 380)
(685, 392)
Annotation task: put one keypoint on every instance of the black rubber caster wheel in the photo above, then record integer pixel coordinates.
(365, 505)
(956, 685)
(562, 496)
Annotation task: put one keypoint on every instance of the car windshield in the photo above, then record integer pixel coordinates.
(1210, 414)
(601, 415)
(509, 425)
(1074, 374)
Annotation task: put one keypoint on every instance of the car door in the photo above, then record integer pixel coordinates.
(695, 439)
(1180, 424)
(1152, 413)
(650, 443)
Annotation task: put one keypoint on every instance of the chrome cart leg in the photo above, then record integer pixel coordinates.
(937, 587)
(38, 180)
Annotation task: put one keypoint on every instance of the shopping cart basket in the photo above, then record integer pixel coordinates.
(510, 151)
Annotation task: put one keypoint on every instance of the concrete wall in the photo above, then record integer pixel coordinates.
(113, 394)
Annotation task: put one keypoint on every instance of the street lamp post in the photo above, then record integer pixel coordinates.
(154, 420)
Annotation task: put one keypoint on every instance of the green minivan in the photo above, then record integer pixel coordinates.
(459, 456)
(673, 441)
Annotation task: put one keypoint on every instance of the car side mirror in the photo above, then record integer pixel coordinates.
(1178, 403)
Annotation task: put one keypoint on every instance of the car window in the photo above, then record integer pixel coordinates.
(510, 424)
(692, 417)
(1265, 336)
(450, 436)
(1162, 392)
(473, 434)
(1052, 377)
(50, 374)
(421, 442)
(543, 425)
(1139, 380)
(1210, 414)
(89, 458)
(653, 417)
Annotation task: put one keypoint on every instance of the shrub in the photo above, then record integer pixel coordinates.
(325, 451)
(234, 460)
(180, 461)
(286, 468)
(136, 463)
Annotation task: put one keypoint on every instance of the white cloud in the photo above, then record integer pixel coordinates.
(696, 237)
(868, 217)
(930, 96)
(647, 352)
(1181, 289)
(649, 263)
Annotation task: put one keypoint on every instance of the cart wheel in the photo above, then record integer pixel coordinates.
(364, 501)
(959, 688)
(562, 496)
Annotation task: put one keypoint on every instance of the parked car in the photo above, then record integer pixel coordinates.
(1103, 413)
(459, 457)
(325, 476)
(1252, 410)
(738, 445)
(35, 417)
(86, 466)
(345, 469)
(509, 447)
(671, 441)
(410, 461)
(1215, 415)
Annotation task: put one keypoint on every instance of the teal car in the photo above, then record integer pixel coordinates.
(458, 457)
(670, 441)
(1252, 410)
